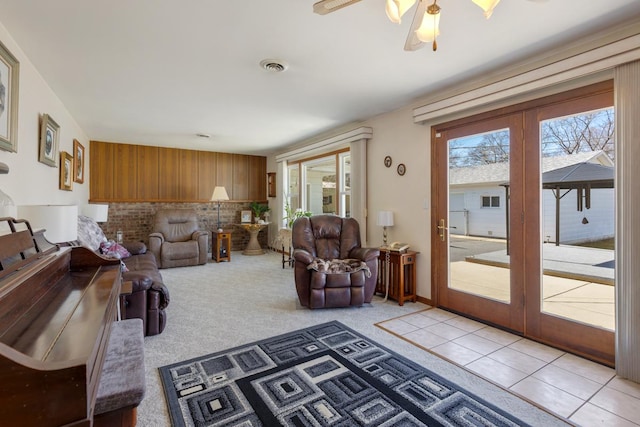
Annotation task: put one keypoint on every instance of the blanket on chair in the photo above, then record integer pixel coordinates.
(338, 266)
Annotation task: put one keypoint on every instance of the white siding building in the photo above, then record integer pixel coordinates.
(477, 202)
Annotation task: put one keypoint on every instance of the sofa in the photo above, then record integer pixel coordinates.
(176, 240)
(331, 269)
(149, 297)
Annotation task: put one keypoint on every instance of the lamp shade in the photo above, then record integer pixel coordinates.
(396, 8)
(219, 193)
(59, 221)
(7, 208)
(99, 213)
(430, 27)
(487, 6)
(385, 218)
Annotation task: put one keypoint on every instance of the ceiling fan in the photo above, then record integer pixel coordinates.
(425, 24)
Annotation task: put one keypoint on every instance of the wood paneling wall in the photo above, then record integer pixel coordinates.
(138, 173)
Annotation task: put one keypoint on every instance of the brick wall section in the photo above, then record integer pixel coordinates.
(135, 220)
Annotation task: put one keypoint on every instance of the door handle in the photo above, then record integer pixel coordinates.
(441, 230)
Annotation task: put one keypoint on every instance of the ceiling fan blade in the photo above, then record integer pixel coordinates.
(413, 42)
(327, 6)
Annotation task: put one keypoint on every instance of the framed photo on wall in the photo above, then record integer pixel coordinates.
(78, 162)
(49, 131)
(9, 74)
(66, 171)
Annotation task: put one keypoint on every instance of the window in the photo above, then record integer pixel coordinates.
(490, 201)
(321, 185)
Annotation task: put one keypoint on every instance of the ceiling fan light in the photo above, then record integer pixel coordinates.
(396, 8)
(487, 6)
(326, 6)
(430, 28)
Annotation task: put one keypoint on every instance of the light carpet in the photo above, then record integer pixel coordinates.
(219, 306)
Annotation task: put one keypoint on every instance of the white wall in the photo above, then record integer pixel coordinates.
(395, 135)
(29, 181)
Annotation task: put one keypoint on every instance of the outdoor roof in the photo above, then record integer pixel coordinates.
(498, 173)
(574, 176)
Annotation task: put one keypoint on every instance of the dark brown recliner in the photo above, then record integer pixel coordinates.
(176, 240)
(323, 238)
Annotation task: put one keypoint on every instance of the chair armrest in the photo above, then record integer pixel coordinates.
(135, 248)
(302, 256)
(163, 293)
(364, 254)
(155, 243)
(197, 234)
(141, 281)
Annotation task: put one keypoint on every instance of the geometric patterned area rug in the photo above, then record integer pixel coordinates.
(326, 375)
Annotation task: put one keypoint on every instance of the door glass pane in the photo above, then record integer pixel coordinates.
(478, 215)
(578, 217)
(320, 185)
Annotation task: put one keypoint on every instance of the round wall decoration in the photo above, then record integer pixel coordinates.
(401, 169)
(387, 161)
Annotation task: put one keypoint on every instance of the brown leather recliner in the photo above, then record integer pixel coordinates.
(321, 239)
(176, 240)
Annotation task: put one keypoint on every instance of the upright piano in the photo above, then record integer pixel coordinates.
(57, 306)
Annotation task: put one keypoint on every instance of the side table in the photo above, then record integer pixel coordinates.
(221, 246)
(402, 275)
(253, 247)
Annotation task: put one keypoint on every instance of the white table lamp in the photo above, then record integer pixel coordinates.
(385, 219)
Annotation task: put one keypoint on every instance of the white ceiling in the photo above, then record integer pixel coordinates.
(159, 71)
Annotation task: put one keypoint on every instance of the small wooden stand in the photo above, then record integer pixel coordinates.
(221, 249)
(402, 275)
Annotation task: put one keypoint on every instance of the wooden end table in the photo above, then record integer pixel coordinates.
(221, 246)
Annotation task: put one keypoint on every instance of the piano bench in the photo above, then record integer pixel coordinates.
(122, 384)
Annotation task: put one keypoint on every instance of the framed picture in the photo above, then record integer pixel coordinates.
(78, 162)
(245, 216)
(9, 74)
(66, 171)
(49, 131)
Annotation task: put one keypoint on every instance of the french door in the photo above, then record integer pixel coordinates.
(508, 220)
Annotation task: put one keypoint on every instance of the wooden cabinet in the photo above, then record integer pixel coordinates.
(240, 177)
(221, 246)
(257, 173)
(147, 173)
(137, 173)
(206, 174)
(124, 176)
(101, 162)
(188, 180)
(169, 173)
(401, 271)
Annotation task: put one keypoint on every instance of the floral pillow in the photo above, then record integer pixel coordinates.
(90, 234)
(111, 249)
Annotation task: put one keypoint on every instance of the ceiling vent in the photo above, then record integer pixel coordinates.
(274, 65)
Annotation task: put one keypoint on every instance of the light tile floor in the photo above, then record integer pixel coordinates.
(581, 391)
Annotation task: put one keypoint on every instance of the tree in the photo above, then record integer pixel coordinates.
(579, 133)
(592, 131)
(480, 150)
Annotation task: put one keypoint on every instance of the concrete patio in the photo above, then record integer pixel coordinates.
(577, 281)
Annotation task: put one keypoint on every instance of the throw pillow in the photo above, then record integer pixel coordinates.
(90, 234)
(111, 249)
